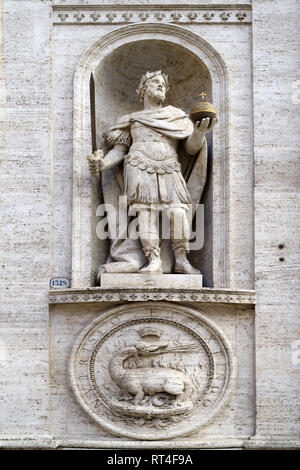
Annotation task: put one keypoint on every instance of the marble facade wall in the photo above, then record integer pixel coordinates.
(41, 46)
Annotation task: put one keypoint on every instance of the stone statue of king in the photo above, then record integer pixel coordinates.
(147, 143)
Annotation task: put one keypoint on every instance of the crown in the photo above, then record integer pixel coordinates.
(148, 331)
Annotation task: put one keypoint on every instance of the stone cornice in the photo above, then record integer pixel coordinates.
(126, 14)
(100, 294)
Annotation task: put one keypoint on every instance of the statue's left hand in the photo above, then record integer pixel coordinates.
(205, 125)
(196, 140)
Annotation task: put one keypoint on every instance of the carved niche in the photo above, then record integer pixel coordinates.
(117, 62)
(151, 371)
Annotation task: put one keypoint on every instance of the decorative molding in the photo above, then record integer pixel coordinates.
(100, 294)
(126, 14)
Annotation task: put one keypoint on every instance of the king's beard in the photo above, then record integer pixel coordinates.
(156, 97)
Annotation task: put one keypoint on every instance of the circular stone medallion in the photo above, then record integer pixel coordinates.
(151, 370)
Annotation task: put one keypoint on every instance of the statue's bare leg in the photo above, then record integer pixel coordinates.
(180, 234)
(149, 236)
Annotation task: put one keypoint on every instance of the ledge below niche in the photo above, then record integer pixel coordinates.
(102, 294)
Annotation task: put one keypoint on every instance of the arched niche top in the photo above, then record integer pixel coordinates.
(175, 34)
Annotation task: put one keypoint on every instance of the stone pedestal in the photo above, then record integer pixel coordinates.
(155, 281)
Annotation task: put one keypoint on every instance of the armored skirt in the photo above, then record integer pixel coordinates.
(149, 182)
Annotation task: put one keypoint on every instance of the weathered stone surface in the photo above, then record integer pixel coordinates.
(152, 371)
(67, 323)
(277, 176)
(47, 201)
(26, 155)
(165, 281)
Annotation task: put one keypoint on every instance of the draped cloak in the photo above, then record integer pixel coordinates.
(163, 178)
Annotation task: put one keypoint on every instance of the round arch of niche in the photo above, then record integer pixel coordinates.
(117, 62)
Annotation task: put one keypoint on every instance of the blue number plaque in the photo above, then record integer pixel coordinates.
(60, 283)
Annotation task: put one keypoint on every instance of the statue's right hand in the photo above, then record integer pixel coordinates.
(96, 162)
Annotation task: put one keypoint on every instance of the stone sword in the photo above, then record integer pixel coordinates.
(96, 155)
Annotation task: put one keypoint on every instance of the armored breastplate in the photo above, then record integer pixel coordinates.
(152, 144)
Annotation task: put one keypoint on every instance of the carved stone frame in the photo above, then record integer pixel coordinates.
(82, 187)
(115, 314)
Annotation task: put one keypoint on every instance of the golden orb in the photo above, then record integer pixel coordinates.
(202, 109)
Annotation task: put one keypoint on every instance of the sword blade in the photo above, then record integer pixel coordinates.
(93, 113)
